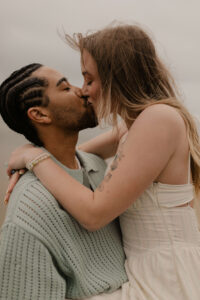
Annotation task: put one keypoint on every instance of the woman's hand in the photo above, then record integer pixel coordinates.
(13, 179)
(17, 163)
(21, 156)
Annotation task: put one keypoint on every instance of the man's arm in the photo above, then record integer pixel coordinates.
(27, 270)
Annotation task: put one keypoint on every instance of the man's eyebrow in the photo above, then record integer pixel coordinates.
(63, 79)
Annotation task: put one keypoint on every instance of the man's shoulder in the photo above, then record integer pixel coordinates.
(29, 197)
(28, 183)
(35, 210)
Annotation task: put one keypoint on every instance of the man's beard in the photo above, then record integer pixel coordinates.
(78, 122)
(88, 120)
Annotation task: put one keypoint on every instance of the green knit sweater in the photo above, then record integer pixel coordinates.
(46, 254)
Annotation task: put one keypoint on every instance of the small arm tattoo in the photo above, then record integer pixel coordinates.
(106, 179)
(113, 167)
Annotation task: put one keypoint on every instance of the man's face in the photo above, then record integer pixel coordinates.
(69, 111)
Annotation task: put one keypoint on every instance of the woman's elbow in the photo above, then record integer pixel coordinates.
(92, 224)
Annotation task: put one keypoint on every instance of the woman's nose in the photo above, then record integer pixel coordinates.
(84, 90)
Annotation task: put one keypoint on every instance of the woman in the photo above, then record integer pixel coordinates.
(156, 170)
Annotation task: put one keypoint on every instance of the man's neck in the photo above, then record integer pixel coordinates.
(63, 148)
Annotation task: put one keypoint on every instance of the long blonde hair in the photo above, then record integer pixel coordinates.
(133, 78)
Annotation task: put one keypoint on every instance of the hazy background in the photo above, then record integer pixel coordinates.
(29, 33)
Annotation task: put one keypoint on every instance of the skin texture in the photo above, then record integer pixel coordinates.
(106, 144)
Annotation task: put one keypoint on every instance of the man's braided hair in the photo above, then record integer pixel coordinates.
(18, 93)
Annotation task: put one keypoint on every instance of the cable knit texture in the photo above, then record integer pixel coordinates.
(46, 254)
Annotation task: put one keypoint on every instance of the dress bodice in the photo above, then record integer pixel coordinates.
(163, 195)
(156, 220)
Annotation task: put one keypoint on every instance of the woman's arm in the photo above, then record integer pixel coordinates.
(151, 142)
(105, 145)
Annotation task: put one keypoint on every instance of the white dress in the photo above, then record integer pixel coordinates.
(162, 245)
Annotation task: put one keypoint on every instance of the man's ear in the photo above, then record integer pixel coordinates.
(39, 114)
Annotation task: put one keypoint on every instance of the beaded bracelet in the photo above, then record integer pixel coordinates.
(31, 164)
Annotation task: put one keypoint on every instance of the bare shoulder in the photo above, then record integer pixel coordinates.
(160, 111)
(162, 116)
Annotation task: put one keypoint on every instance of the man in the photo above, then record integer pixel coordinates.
(44, 252)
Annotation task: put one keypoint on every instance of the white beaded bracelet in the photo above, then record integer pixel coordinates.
(31, 164)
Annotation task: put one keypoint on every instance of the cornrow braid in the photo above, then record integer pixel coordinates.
(18, 93)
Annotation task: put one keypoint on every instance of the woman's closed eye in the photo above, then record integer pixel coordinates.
(89, 82)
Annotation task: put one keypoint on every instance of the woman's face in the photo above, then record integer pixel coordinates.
(92, 83)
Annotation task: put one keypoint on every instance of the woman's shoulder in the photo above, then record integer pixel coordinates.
(158, 123)
(160, 114)
(161, 109)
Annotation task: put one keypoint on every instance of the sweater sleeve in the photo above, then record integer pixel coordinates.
(27, 270)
